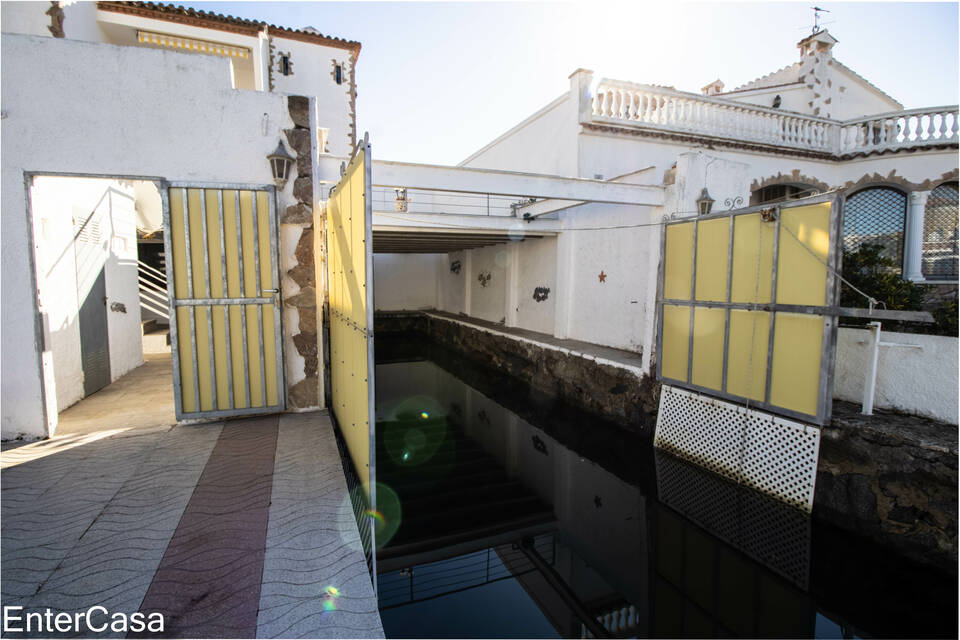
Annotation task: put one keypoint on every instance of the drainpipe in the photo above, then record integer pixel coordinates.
(870, 383)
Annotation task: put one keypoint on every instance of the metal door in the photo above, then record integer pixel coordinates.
(225, 330)
(94, 347)
(349, 259)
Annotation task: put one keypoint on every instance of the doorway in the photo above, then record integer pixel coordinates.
(101, 307)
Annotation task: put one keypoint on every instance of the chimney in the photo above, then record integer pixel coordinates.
(712, 89)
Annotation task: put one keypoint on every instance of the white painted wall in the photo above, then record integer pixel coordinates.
(453, 284)
(612, 312)
(488, 302)
(67, 268)
(921, 381)
(115, 127)
(406, 281)
(537, 267)
(313, 76)
(543, 143)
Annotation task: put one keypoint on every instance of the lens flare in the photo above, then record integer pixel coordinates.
(330, 595)
(414, 430)
(424, 415)
(375, 515)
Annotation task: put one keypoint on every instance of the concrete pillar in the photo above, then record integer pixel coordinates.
(566, 253)
(913, 236)
(261, 63)
(580, 90)
(513, 284)
(467, 280)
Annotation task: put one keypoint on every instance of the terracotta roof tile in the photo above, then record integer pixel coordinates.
(210, 20)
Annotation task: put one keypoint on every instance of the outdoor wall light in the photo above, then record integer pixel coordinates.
(280, 162)
(704, 202)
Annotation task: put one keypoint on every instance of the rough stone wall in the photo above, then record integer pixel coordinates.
(892, 478)
(305, 393)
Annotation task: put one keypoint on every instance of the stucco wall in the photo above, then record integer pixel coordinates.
(312, 67)
(451, 281)
(406, 281)
(543, 143)
(921, 381)
(131, 112)
(488, 300)
(536, 268)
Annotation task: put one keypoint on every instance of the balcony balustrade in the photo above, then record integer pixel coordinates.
(668, 110)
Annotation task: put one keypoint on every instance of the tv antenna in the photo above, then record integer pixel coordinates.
(816, 19)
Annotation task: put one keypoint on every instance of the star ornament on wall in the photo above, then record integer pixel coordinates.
(602, 276)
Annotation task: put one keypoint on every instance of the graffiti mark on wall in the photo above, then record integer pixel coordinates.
(541, 293)
(455, 266)
(484, 278)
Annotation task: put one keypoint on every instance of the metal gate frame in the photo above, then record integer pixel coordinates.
(362, 153)
(165, 187)
(829, 310)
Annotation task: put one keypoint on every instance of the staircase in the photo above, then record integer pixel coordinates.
(458, 493)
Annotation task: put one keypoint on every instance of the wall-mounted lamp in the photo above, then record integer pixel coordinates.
(704, 202)
(280, 162)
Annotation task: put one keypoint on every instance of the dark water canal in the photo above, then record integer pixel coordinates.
(512, 516)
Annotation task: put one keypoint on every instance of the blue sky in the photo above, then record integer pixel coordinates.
(437, 81)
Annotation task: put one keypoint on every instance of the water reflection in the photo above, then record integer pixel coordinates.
(537, 522)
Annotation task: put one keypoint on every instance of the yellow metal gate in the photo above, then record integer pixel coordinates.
(747, 306)
(349, 261)
(222, 266)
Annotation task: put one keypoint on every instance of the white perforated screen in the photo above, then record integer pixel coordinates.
(771, 454)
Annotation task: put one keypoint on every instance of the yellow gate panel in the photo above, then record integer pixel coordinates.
(752, 259)
(223, 266)
(747, 359)
(761, 325)
(348, 260)
(795, 375)
(678, 261)
(713, 247)
(803, 250)
(708, 332)
(674, 353)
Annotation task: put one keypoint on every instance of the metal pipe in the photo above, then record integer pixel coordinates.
(870, 384)
(563, 589)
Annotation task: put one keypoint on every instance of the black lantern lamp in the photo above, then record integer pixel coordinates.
(704, 202)
(280, 162)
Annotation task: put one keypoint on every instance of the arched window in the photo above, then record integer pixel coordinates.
(781, 192)
(940, 234)
(875, 217)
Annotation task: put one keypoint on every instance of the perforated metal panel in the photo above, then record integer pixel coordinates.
(771, 454)
(775, 534)
(940, 247)
(876, 216)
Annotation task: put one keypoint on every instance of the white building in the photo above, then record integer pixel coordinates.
(102, 102)
(811, 127)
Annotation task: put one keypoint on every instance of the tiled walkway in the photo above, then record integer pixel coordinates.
(236, 529)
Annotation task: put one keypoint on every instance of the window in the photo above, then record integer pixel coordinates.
(286, 67)
(781, 192)
(876, 217)
(338, 73)
(940, 234)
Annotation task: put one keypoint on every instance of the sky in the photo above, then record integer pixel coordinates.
(439, 80)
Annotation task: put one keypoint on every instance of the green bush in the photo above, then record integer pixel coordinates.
(879, 276)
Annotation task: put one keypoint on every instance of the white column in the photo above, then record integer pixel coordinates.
(513, 284)
(467, 279)
(261, 63)
(566, 253)
(913, 237)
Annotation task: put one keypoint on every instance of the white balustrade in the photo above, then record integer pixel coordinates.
(669, 110)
